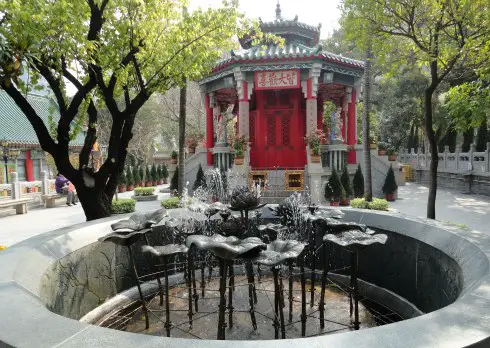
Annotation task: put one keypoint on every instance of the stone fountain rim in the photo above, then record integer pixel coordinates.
(462, 323)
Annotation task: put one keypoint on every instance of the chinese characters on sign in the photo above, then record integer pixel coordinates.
(277, 79)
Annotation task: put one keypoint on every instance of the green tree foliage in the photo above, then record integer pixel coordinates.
(358, 182)
(390, 185)
(482, 137)
(200, 179)
(174, 182)
(437, 35)
(106, 50)
(333, 188)
(345, 180)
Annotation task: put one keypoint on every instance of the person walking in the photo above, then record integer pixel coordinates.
(65, 187)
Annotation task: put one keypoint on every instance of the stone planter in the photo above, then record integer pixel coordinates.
(392, 158)
(345, 202)
(173, 160)
(334, 204)
(149, 184)
(155, 183)
(192, 150)
(373, 146)
(381, 152)
(121, 188)
(130, 188)
(145, 198)
(239, 161)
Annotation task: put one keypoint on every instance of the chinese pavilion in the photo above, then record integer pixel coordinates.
(276, 95)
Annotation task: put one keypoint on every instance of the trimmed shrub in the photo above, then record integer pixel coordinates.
(200, 179)
(123, 206)
(346, 184)
(154, 173)
(333, 189)
(174, 183)
(358, 182)
(174, 154)
(142, 174)
(171, 203)
(160, 172)
(144, 191)
(121, 179)
(390, 185)
(376, 204)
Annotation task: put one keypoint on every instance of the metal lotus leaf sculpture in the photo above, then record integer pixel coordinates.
(270, 232)
(228, 248)
(233, 227)
(283, 210)
(165, 250)
(279, 251)
(243, 199)
(355, 240)
(140, 221)
(123, 239)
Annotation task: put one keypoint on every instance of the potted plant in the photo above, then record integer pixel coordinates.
(164, 173)
(390, 186)
(192, 140)
(313, 141)
(174, 157)
(154, 174)
(382, 148)
(346, 184)
(148, 178)
(136, 177)
(121, 182)
(391, 154)
(333, 189)
(238, 143)
(129, 179)
(358, 183)
(372, 143)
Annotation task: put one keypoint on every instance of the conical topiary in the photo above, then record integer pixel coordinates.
(165, 171)
(159, 172)
(154, 173)
(345, 180)
(390, 185)
(200, 179)
(142, 174)
(137, 176)
(174, 182)
(121, 179)
(333, 189)
(129, 177)
(358, 183)
(148, 175)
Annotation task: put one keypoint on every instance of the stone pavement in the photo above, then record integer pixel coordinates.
(15, 228)
(472, 211)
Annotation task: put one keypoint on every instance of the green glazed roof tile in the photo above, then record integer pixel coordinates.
(16, 128)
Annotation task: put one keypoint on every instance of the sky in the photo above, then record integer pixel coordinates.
(309, 12)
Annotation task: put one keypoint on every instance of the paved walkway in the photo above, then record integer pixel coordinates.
(15, 228)
(470, 211)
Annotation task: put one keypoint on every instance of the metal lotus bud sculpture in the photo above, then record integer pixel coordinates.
(243, 199)
(270, 232)
(214, 208)
(233, 227)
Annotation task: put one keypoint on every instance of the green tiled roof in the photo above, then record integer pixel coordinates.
(292, 50)
(14, 126)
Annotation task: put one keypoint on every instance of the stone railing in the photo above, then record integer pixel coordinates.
(453, 162)
(24, 189)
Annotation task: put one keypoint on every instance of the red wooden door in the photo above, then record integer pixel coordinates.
(276, 136)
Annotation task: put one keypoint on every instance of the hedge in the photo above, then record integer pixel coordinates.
(144, 191)
(171, 203)
(123, 206)
(376, 204)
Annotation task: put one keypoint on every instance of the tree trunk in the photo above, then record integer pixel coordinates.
(182, 117)
(368, 188)
(431, 202)
(96, 204)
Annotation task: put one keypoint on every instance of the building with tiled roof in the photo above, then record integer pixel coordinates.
(18, 133)
(277, 96)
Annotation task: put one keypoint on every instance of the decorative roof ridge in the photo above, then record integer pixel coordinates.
(331, 55)
(290, 22)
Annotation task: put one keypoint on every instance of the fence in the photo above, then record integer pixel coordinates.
(454, 162)
(25, 189)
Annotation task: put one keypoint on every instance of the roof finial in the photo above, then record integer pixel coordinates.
(278, 11)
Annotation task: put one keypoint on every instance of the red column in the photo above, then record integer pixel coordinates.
(209, 131)
(29, 166)
(343, 131)
(351, 130)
